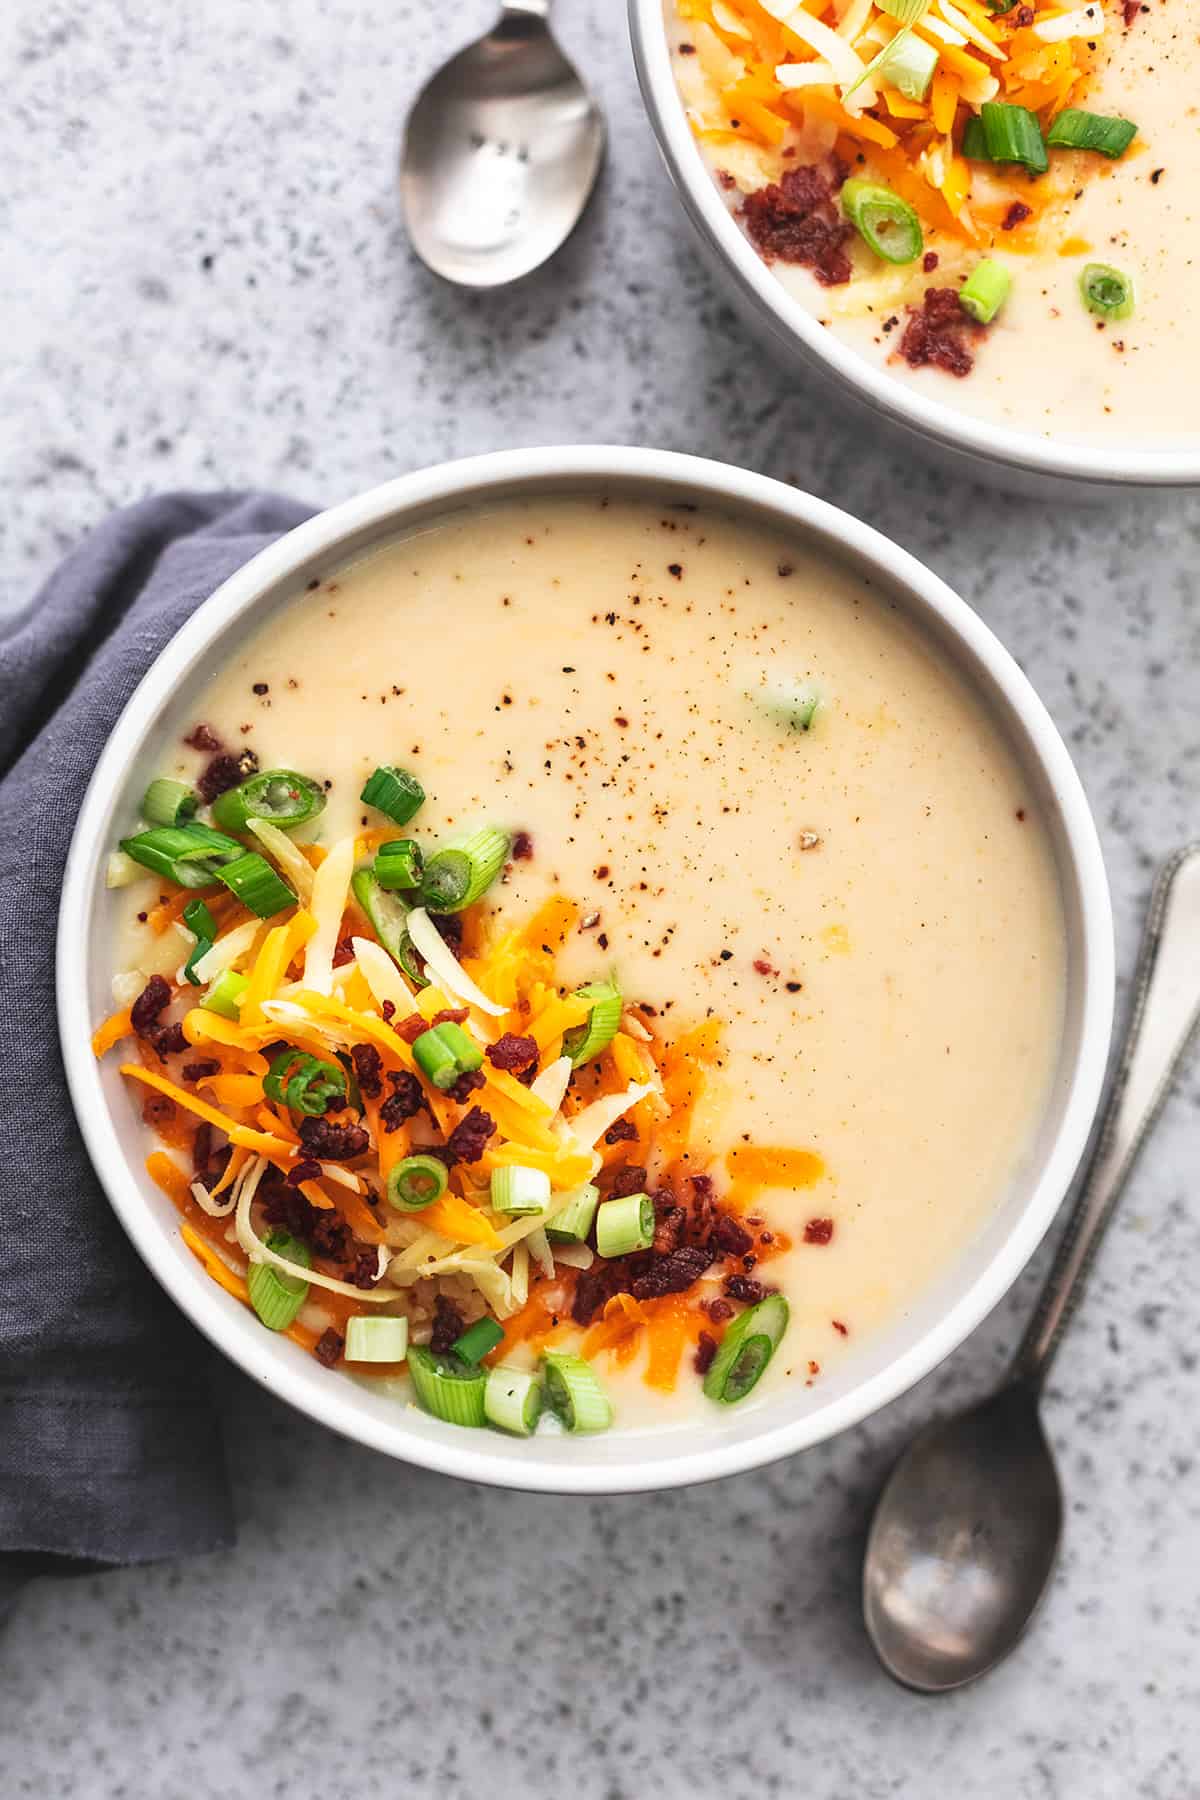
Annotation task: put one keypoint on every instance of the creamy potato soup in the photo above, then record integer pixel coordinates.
(941, 214)
(676, 1005)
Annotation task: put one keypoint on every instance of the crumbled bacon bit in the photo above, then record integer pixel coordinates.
(522, 847)
(745, 1287)
(143, 1014)
(1025, 16)
(388, 1009)
(365, 1273)
(624, 1131)
(449, 927)
(929, 261)
(333, 1143)
(731, 1238)
(796, 220)
(158, 1110)
(717, 1309)
(512, 1053)
(329, 1347)
(671, 1274)
(168, 1040)
(449, 1015)
(343, 952)
(669, 1230)
(1016, 215)
(818, 1231)
(1130, 11)
(466, 1085)
(629, 1180)
(706, 1349)
(763, 967)
(448, 1323)
(937, 335)
(203, 738)
(221, 774)
(411, 1029)
(842, 1330)
(197, 1071)
(404, 1102)
(368, 1070)
(306, 1169)
(468, 1140)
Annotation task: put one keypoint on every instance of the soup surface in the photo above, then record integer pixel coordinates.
(1045, 364)
(867, 908)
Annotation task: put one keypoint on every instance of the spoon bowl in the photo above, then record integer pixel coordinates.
(963, 1543)
(500, 155)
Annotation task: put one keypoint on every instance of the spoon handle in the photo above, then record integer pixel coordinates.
(1166, 1005)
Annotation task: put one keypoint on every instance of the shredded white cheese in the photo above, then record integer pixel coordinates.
(552, 1083)
(216, 1209)
(444, 966)
(331, 885)
(382, 976)
(257, 1251)
(589, 1126)
(228, 950)
(971, 31)
(280, 848)
(539, 1248)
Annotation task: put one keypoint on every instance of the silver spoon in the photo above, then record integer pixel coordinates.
(501, 153)
(966, 1531)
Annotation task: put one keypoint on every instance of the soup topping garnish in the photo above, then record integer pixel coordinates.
(411, 1143)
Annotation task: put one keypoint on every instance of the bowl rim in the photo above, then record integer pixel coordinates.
(1130, 466)
(474, 480)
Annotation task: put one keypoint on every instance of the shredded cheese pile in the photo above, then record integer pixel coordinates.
(775, 73)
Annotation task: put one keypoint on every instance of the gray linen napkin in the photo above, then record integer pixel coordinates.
(110, 1451)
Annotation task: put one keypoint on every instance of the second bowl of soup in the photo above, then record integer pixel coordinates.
(597, 969)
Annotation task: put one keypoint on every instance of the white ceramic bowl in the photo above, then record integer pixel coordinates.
(718, 1442)
(1022, 461)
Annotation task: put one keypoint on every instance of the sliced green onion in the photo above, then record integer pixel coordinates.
(1075, 129)
(394, 792)
(389, 921)
(200, 949)
(185, 854)
(279, 796)
(255, 883)
(455, 878)
(225, 994)
(376, 1339)
(487, 851)
(520, 1192)
(909, 64)
(169, 802)
(793, 703)
(447, 1388)
(275, 1295)
(583, 1042)
(573, 1223)
(907, 12)
(985, 290)
(1013, 135)
(974, 138)
(512, 1399)
(746, 1349)
(445, 1052)
(199, 919)
(445, 882)
(478, 1340)
(1106, 291)
(906, 61)
(399, 864)
(304, 1083)
(887, 225)
(574, 1392)
(625, 1225)
(416, 1182)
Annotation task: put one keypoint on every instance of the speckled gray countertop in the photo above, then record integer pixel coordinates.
(205, 284)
